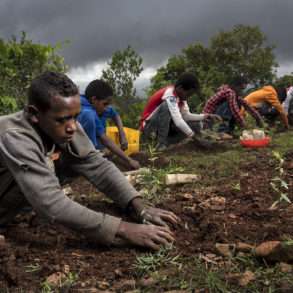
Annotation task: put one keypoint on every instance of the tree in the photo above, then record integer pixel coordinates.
(284, 81)
(20, 61)
(7, 105)
(241, 51)
(123, 69)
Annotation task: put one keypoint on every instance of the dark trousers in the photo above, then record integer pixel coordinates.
(163, 130)
(269, 113)
(229, 122)
(13, 200)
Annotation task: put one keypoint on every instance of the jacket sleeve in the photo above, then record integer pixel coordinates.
(81, 156)
(254, 113)
(104, 175)
(177, 116)
(29, 167)
(188, 116)
(232, 101)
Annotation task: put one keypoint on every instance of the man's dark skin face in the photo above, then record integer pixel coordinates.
(58, 123)
(184, 94)
(100, 105)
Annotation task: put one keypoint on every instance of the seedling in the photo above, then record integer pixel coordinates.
(236, 186)
(32, 268)
(66, 282)
(153, 154)
(46, 288)
(154, 181)
(151, 262)
(278, 184)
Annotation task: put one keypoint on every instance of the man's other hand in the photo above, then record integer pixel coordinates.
(150, 215)
(214, 117)
(134, 165)
(150, 236)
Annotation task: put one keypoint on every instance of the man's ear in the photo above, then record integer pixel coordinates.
(33, 113)
(92, 99)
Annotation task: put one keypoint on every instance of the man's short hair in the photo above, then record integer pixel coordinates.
(237, 81)
(48, 85)
(187, 81)
(99, 89)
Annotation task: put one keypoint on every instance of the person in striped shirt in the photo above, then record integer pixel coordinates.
(227, 103)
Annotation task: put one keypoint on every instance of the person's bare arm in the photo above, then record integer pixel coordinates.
(108, 143)
(122, 137)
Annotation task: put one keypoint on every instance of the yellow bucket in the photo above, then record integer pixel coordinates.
(132, 136)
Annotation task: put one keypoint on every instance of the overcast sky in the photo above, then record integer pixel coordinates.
(154, 28)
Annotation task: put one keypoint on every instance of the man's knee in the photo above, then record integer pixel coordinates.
(10, 204)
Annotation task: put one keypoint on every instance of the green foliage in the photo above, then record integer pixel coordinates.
(152, 182)
(151, 262)
(241, 51)
(7, 105)
(284, 81)
(131, 116)
(31, 268)
(64, 285)
(123, 69)
(20, 61)
(278, 184)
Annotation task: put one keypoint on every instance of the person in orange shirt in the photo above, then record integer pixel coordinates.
(269, 96)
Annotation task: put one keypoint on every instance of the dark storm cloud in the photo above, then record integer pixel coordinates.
(155, 28)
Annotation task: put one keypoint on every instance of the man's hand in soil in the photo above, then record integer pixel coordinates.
(150, 215)
(159, 217)
(282, 129)
(214, 117)
(134, 165)
(149, 236)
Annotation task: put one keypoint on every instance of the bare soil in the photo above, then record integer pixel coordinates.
(224, 214)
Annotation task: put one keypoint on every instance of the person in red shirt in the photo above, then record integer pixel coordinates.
(167, 115)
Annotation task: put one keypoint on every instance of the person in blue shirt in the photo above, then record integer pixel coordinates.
(96, 109)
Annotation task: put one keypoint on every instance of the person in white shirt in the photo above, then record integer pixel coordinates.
(288, 99)
(167, 113)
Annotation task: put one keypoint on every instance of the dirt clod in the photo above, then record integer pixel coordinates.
(246, 278)
(55, 279)
(225, 249)
(244, 247)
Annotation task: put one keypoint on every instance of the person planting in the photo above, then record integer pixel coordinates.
(27, 175)
(166, 115)
(227, 103)
(267, 101)
(96, 109)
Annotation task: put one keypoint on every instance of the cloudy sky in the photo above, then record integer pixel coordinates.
(154, 28)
